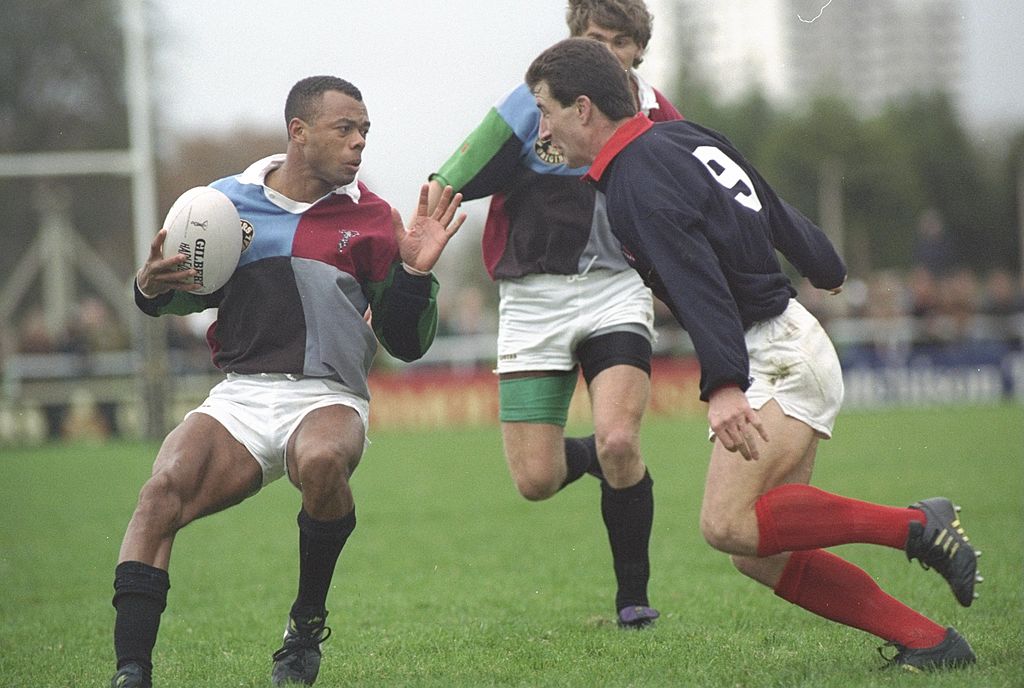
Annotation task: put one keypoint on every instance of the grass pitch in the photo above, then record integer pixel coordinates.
(451, 579)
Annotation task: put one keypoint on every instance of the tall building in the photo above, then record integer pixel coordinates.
(866, 51)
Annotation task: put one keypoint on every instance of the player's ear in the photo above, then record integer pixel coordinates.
(584, 108)
(297, 130)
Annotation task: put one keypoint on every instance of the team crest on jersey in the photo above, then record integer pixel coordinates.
(346, 238)
(548, 153)
(247, 233)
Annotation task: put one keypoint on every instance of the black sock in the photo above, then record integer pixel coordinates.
(628, 514)
(140, 596)
(320, 544)
(580, 458)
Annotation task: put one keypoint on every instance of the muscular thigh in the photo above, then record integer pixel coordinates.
(534, 409)
(734, 484)
(535, 453)
(617, 365)
(619, 396)
(332, 434)
(205, 467)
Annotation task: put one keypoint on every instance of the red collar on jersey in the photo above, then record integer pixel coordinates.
(622, 137)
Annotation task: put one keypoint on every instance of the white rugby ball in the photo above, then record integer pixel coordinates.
(203, 224)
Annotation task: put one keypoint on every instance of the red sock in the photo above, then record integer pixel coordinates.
(799, 517)
(829, 586)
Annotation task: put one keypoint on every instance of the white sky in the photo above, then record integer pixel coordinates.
(430, 69)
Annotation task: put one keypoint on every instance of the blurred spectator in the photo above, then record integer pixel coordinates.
(887, 296)
(95, 330)
(923, 292)
(855, 296)
(1003, 300)
(924, 303)
(824, 306)
(892, 333)
(959, 301)
(186, 339)
(465, 312)
(1003, 294)
(35, 337)
(933, 250)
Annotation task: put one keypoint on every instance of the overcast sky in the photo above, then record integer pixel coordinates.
(430, 69)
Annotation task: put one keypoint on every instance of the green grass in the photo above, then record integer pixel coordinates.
(451, 579)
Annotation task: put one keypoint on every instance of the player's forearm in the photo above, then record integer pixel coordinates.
(405, 315)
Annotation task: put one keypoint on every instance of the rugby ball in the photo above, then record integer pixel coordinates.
(203, 224)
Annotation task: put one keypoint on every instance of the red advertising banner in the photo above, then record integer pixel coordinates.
(429, 398)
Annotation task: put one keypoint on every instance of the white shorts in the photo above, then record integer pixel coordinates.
(544, 318)
(262, 411)
(792, 361)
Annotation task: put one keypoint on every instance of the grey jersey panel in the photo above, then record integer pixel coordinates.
(336, 333)
(603, 250)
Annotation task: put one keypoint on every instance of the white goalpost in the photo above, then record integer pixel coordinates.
(58, 248)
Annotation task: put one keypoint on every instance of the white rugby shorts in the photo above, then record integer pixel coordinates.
(792, 361)
(543, 318)
(262, 411)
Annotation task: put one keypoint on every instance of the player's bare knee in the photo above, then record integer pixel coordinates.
(722, 533)
(536, 488)
(618, 452)
(326, 468)
(617, 446)
(160, 505)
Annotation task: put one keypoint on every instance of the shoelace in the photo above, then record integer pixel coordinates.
(302, 641)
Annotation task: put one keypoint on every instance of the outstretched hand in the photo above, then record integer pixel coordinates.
(733, 421)
(421, 243)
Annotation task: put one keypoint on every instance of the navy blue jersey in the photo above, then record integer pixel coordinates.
(702, 227)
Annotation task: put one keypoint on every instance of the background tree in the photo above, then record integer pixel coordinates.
(893, 165)
(62, 89)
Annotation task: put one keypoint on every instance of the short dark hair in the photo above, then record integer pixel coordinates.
(306, 96)
(626, 16)
(583, 67)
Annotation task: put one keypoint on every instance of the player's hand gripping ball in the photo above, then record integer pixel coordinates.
(203, 224)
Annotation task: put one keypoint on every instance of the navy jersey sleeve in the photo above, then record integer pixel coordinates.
(679, 253)
(805, 246)
(802, 242)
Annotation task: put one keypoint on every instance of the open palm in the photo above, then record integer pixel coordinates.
(421, 243)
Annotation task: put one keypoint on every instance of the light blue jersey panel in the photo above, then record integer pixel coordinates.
(519, 110)
(273, 229)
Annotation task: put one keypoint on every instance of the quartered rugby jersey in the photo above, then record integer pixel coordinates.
(297, 300)
(542, 219)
